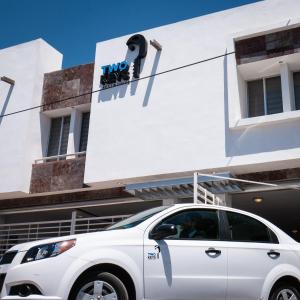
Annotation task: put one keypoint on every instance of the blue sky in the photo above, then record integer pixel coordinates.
(74, 27)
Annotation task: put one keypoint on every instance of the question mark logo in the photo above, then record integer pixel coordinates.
(138, 40)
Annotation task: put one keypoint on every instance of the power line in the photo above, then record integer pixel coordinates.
(123, 83)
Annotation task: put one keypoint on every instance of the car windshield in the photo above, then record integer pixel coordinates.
(137, 219)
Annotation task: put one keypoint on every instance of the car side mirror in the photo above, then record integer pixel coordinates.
(162, 231)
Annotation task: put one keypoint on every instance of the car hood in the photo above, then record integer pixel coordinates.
(104, 236)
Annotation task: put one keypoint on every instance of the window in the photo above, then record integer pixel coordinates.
(246, 229)
(264, 97)
(59, 135)
(84, 131)
(256, 98)
(297, 89)
(195, 224)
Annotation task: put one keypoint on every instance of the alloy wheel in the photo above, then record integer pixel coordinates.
(97, 290)
(287, 294)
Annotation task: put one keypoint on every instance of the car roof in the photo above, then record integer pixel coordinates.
(210, 206)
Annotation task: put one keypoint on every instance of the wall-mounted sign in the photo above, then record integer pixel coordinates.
(138, 40)
(115, 73)
(118, 73)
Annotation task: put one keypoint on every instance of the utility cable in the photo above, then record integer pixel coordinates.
(122, 83)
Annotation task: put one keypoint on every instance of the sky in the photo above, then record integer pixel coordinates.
(74, 27)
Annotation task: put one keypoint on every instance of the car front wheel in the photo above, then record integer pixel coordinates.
(100, 286)
(285, 292)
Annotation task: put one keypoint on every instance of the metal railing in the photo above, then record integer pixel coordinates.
(59, 157)
(16, 233)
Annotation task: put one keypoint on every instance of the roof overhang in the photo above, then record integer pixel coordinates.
(183, 187)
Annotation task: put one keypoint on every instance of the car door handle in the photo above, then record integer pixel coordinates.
(273, 254)
(213, 252)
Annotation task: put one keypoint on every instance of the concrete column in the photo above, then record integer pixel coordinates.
(227, 198)
(287, 87)
(73, 222)
(74, 133)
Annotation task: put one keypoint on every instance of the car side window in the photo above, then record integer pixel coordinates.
(243, 228)
(197, 224)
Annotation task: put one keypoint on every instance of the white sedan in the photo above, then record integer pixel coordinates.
(182, 252)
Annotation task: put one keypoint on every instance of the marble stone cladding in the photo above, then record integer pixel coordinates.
(68, 83)
(267, 46)
(272, 176)
(57, 175)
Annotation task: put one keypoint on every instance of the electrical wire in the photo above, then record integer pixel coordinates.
(122, 83)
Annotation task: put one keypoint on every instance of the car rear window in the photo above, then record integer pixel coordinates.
(246, 229)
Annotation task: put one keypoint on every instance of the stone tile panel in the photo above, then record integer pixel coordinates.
(57, 175)
(68, 83)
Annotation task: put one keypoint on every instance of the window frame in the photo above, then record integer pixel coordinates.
(271, 233)
(265, 95)
(293, 87)
(81, 127)
(62, 118)
(221, 227)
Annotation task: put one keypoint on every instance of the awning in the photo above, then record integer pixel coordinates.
(182, 187)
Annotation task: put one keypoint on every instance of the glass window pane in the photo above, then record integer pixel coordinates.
(297, 89)
(137, 219)
(274, 95)
(195, 224)
(256, 98)
(246, 229)
(84, 131)
(65, 135)
(53, 145)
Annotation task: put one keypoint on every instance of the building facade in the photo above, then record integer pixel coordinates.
(217, 94)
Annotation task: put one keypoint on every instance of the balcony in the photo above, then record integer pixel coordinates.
(58, 173)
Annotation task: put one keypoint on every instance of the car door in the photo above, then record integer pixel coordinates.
(253, 251)
(191, 265)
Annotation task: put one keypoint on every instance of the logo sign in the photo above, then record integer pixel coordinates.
(115, 73)
(118, 73)
(138, 40)
(151, 255)
(154, 255)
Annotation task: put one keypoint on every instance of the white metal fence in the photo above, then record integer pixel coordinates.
(16, 233)
(59, 157)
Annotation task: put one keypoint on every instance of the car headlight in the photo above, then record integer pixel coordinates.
(48, 250)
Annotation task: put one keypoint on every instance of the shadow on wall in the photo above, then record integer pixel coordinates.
(151, 80)
(121, 90)
(3, 110)
(257, 138)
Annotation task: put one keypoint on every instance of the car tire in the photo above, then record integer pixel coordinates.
(285, 291)
(97, 285)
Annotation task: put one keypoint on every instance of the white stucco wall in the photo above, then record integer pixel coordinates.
(20, 134)
(183, 121)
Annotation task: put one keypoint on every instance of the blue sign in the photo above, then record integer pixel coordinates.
(112, 74)
(121, 66)
(118, 73)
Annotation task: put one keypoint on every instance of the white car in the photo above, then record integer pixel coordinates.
(182, 252)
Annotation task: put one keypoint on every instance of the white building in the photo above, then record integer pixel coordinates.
(233, 108)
